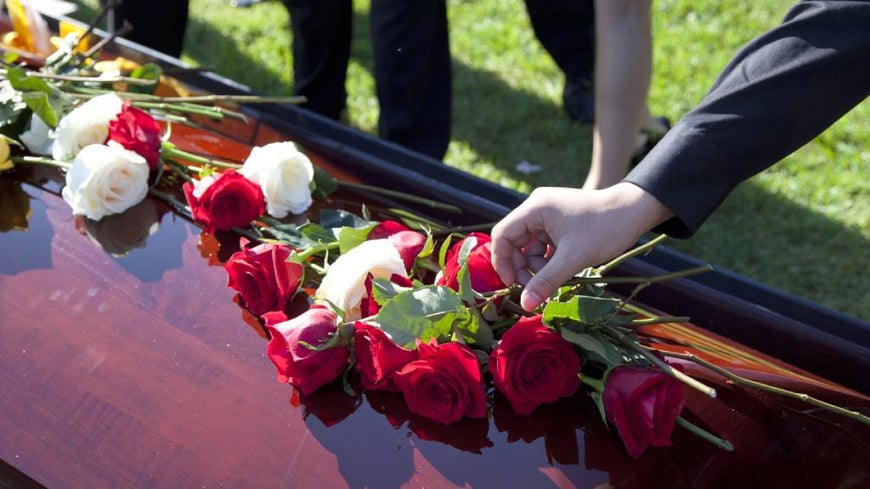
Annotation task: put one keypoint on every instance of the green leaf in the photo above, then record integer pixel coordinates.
(463, 277)
(317, 233)
(383, 290)
(476, 331)
(349, 238)
(23, 83)
(40, 105)
(337, 218)
(595, 347)
(291, 235)
(442, 253)
(581, 308)
(425, 313)
(148, 71)
(428, 247)
(324, 184)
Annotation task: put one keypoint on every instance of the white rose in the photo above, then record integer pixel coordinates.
(344, 283)
(85, 125)
(37, 138)
(284, 173)
(105, 180)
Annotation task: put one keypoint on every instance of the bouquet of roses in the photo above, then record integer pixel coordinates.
(404, 306)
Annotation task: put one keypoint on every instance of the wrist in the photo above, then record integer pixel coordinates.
(645, 210)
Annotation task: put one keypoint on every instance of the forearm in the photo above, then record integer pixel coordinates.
(779, 92)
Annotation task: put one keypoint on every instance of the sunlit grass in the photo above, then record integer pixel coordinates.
(802, 226)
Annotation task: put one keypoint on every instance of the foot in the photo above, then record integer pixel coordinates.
(578, 100)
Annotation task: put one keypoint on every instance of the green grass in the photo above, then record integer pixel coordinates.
(802, 226)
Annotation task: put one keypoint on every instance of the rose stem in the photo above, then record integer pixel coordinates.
(691, 382)
(401, 195)
(769, 388)
(40, 161)
(171, 150)
(721, 443)
(630, 253)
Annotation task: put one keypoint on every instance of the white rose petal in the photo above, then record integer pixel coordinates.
(344, 283)
(37, 138)
(105, 180)
(85, 125)
(284, 174)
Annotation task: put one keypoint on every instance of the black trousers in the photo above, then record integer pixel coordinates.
(157, 24)
(566, 29)
(411, 65)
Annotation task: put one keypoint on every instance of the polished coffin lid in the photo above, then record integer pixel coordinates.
(141, 371)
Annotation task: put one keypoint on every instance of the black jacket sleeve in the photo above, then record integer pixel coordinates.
(780, 91)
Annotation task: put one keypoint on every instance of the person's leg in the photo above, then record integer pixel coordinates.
(321, 32)
(566, 29)
(622, 78)
(412, 73)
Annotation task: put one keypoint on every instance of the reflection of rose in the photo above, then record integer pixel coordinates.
(378, 358)
(331, 404)
(118, 234)
(85, 125)
(292, 350)
(344, 283)
(263, 277)
(483, 276)
(136, 130)
(643, 405)
(409, 243)
(556, 423)
(534, 365)
(284, 173)
(15, 211)
(445, 384)
(223, 201)
(105, 180)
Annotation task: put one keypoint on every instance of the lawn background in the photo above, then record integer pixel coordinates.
(802, 226)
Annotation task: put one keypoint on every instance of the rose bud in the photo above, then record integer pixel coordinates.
(292, 351)
(643, 404)
(483, 276)
(344, 282)
(263, 277)
(223, 201)
(136, 130)
(284, 174)
(409, 243)
(105, 180)
(445, 384)
(378, 358)
(534, 365)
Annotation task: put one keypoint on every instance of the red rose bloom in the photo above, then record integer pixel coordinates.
(445, 384)
(534, 365)
(644, 405)
(230, 201)
(378, 358)
(483, 276)
(290, 350)
(263, 277)
(409, 243)
(137, 131)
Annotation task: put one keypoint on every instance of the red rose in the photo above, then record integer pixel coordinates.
(409, 243)
(378, 358)
(445, 384)
(483, 276)
(644, 405)
(224, 201)
(534, 365)
(137, 131)
(290, 350)
(263, 277)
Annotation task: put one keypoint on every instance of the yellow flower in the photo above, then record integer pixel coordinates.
(5, 163)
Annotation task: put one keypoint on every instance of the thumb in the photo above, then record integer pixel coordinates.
(558, 269)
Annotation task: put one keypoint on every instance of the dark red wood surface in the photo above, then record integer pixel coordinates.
(139, 371)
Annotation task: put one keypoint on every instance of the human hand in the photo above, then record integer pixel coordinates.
(557, 232)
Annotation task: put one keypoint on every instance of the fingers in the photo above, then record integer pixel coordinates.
(555, 272)
(509, 237)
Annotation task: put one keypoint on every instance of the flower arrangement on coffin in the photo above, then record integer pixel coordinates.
(406, 311)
